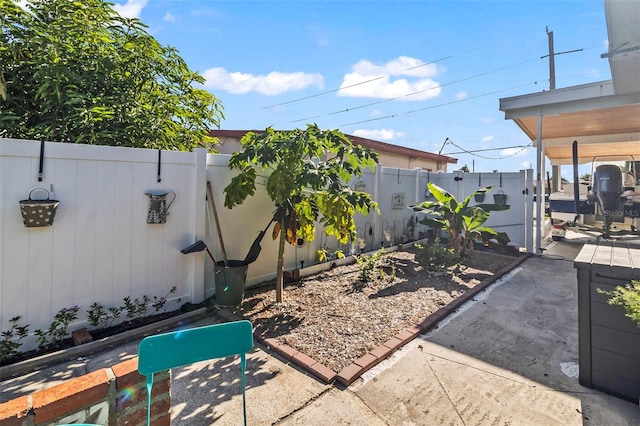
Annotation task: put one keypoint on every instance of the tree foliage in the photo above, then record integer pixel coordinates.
(628, 297)
(463, 222)
(308, 181)
(76, 71)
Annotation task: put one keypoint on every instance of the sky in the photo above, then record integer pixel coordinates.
(410, 73)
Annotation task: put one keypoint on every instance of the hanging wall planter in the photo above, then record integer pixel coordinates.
(38, 213)
(500, 198)
(159, 203)
(479, 195)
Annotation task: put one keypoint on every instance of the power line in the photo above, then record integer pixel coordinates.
(473, 152)
(355, 84)
(415, 93)
(435, 106)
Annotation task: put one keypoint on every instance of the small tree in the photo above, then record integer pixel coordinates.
(309, 179)
(463, 223)
(585, 177)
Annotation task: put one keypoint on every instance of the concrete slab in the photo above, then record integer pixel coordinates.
(509, 357)
(210, 391)
(335, 407)
(433, 384)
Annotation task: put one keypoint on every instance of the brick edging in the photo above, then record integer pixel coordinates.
(351, 372)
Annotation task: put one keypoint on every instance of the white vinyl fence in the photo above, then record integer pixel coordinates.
(101, 249)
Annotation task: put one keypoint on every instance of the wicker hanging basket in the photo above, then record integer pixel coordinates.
(38, 213)
(500, 198)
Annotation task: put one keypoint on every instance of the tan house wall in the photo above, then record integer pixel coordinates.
(231, 144)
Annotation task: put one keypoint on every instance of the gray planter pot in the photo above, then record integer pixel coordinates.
(608, 340)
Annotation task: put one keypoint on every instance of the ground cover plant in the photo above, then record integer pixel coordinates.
(338, 315)
(102, 323)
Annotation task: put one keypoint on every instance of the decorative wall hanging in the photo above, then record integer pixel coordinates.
(159, 204)
(479, 195)
(500, 198)
(398, 200)
(38, 213)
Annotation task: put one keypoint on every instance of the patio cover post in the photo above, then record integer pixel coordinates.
(539, 197)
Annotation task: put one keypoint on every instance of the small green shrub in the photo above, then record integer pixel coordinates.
(136, 308)
(368, 265)
(436, 257)
(326, 254)
(160, 303)
(57, 331)
(628, 297)
(99, 317)
(10, 342)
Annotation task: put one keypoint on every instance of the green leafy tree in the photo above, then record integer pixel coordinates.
(309, 173)
(463, 222)
(585, 177)
(76, 71)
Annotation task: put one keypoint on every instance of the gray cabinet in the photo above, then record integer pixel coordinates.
(609, 342)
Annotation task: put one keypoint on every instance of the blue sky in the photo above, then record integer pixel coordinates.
(411, 73)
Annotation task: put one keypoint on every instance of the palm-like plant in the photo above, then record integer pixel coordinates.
(463, 222)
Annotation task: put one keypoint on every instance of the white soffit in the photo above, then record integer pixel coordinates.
(604, 117)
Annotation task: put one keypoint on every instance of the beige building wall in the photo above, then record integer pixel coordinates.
(405, 158)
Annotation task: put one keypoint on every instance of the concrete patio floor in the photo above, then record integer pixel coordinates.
(507, 357)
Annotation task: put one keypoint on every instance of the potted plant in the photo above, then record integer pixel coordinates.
(627, 297)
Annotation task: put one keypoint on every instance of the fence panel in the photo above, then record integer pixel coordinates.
(100, 248)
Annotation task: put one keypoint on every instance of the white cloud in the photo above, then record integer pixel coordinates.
(169, 17)
(273, 83)
(378, 134)
(513, 152)
(526, 165)
(486, 139)
(131, 9)
(368, 80)
(462, 95)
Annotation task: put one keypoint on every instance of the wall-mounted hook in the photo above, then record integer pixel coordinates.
(41, 166)
(159, 162)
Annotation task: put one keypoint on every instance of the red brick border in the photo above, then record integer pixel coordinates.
(353, 371)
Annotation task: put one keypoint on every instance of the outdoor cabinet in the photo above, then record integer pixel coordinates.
(609, 342)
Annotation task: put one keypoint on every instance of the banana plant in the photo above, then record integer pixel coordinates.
(463, 222)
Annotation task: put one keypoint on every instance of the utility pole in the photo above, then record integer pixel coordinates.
(552, 63)
(555, 182)
(439, 163)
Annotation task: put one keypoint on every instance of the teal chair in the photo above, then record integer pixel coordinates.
(178, 348)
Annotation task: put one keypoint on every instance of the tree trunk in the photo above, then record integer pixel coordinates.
(280, 267)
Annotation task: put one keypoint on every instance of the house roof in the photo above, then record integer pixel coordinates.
(604, 117)
(370, 143)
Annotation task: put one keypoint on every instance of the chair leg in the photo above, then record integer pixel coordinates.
(243, 364)
(149, 386)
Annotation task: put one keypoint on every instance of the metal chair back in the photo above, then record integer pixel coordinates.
(178, 348)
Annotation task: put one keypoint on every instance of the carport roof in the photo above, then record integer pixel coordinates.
(604, 117)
